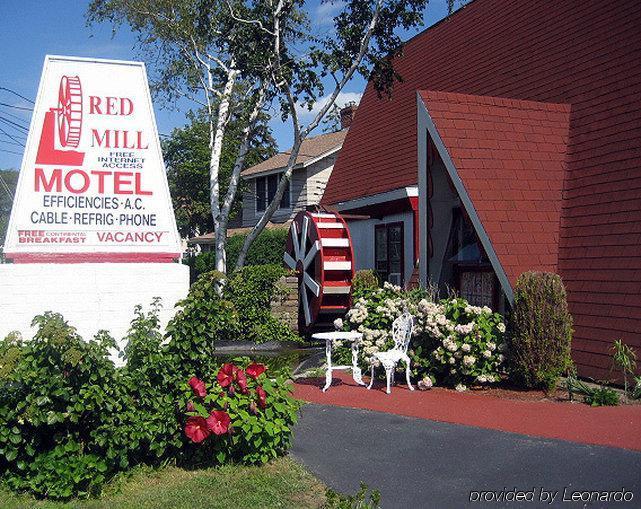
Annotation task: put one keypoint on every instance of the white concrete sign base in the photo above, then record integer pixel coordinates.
(90, 296)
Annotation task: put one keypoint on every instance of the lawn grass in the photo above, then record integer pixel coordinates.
(283, 483)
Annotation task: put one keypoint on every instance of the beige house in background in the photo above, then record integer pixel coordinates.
(313, 168)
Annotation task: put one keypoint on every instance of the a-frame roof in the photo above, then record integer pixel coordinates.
(510, 157)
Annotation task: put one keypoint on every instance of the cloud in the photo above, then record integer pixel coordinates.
(326, 10)
(342, 99)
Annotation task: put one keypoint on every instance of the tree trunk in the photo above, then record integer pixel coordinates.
(220, 234)
(216, 145)
(273, 206)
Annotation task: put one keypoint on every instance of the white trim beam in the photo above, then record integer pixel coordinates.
(426, 126)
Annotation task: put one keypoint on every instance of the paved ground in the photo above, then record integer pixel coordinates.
(611, 426)
(419, 463)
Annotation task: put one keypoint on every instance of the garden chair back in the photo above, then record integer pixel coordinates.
(402, 332)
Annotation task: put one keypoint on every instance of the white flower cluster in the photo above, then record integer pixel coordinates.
(464, 342)
(358, 313)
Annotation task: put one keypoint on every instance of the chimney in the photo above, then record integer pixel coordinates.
(347, 114)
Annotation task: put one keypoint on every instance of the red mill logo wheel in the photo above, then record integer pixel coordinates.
(69, 111)
(319, 248)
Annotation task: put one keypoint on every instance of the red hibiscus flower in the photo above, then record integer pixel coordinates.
(196, 429)
(218, 422)
(255, 370)
(241, 380)
(262, 396)
(198, 386)
(190, 407)
(227, 374)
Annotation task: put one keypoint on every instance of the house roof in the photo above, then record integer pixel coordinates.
(311, 150)
(584, 54)
(510, 156)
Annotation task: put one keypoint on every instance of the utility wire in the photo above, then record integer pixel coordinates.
(14, 124)
(13, 115)
(16, 93)
(23, 108)
(11, 136)
(12, 143)
(10, 152)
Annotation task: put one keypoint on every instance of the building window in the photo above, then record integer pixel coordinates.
(266, 190)
(389, 247)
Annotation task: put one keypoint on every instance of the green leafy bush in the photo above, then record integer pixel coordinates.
(540, 331)
(267, 249)
(70, 420)
(234, 308)
(365, 280)
(251, 290)
(55, 396)
(453, 343)
(203, 318)
(243, 414)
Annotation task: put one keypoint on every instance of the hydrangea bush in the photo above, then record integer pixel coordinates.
(453, 342)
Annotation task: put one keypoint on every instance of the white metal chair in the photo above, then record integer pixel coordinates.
(401, 333)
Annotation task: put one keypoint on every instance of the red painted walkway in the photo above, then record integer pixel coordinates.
(576, 422)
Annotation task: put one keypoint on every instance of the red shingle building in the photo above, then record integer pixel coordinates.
(512, 144)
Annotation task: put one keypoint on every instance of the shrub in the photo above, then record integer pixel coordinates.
(251, 290)
(540, 331)
(242, 414)
(54, 400)
(267, 249)
(70, 420)
(234, 308)
(203, 318)
(453, 342)
(365, 280)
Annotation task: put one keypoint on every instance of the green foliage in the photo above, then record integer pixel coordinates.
(453, 343)
(360, 500)
(540, 331)
(203, 318)
(70, 420)
(602, 396)
(8, 183)
(365, 280)
(220, 308)
(258, 431)
(636, 392)
(251, 290)
(187, 158)
(267, 249)
(54, 400)
(625, 359)
(594, 396)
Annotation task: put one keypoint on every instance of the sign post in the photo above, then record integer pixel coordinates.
(92, 198)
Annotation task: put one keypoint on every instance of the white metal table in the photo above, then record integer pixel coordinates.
(330, 338)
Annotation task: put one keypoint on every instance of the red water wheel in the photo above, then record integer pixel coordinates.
(319, 248)
(69, 111)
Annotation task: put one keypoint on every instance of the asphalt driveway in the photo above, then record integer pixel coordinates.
(418, 463)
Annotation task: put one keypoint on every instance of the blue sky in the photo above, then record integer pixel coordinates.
(31, 29)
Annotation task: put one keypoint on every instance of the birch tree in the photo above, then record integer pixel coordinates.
(201, 53)
(364, 40)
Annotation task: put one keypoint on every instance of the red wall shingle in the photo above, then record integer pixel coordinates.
(584, 54)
